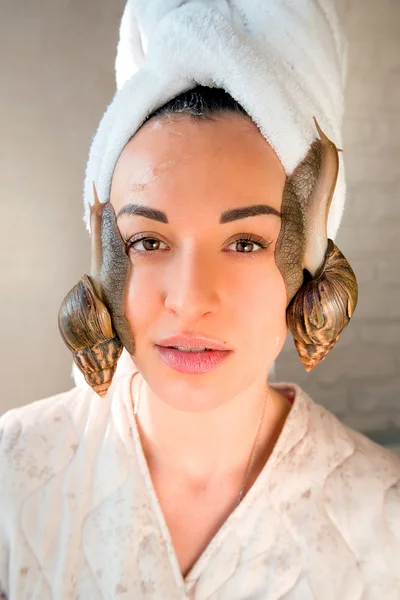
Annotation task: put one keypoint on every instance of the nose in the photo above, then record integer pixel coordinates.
(191, 289)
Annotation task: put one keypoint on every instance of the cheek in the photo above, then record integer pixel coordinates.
(266, 314)
(141, 298)
(276, 294)
(256, 304)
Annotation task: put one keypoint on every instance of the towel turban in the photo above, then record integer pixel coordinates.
(284, 61)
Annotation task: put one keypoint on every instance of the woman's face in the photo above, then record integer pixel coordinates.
(195, 273)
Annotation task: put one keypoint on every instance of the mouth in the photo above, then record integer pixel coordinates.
(192, 360)
(192, 341)
(182, 349)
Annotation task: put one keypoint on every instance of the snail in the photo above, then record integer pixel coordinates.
(91, 316)
(322, 290)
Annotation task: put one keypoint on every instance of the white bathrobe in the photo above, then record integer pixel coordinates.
(79, 517)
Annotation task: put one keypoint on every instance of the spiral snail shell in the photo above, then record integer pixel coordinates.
(322, 290)
(90, 319)
(86, 328)
(322, 308)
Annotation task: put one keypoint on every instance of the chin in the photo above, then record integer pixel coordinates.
(189, 393)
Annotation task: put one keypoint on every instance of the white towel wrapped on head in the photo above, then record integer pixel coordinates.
(284, 61)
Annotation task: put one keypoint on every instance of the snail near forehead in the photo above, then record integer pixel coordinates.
(322, 290)
(85, 322)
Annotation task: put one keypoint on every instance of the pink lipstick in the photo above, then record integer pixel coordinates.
(192, 362)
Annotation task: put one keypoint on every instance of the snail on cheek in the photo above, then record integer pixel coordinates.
(322, 290)
(91, 317)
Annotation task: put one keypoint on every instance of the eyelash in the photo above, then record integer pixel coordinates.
(241, 237)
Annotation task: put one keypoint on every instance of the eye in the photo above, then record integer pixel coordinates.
(243, 242)
(246, 240)
(150, 244)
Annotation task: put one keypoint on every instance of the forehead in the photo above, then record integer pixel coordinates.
(221, 158)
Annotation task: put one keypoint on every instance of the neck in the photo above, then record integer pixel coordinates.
(202, 447)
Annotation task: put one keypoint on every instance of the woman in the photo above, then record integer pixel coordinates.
(194, 476)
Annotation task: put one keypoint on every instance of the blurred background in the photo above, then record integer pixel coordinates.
(57, 77)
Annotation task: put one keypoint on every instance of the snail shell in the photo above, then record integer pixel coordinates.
(322, 308)
(86, 328)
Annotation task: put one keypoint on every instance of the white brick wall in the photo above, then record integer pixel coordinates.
(360, 378)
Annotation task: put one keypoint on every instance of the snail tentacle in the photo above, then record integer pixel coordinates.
(318, 205)
(96, 213)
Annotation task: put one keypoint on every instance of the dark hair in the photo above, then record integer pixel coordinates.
(202, 102)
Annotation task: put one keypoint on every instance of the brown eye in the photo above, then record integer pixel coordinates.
(149, 244)
(245, 244)
(248, 243)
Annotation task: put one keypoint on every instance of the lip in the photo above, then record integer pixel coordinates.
(192, 341)
(193, 363)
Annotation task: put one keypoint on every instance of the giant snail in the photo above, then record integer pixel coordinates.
(321, 286)
(322, 290)
(91, 317)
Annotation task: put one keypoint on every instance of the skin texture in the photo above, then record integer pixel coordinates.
(196, 279)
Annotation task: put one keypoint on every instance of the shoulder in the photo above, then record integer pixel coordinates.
(348, 465)
(361, 476)
(59, 458)
(343, 488)
(42, 439)
(362, 450)
(334, 436)
(42, 419)
(39, 440)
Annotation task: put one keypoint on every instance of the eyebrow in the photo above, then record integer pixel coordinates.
(228, 216)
